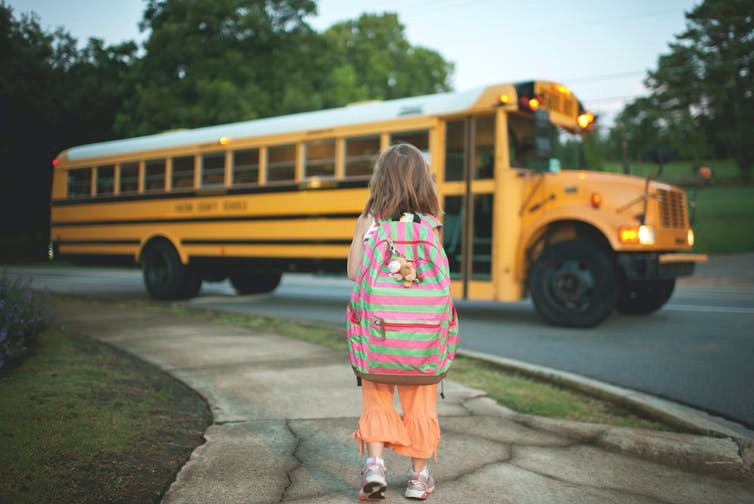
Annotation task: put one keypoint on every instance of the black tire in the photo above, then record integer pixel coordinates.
(254, 283)
(192, 285)
(575, 283)
(643, 298)
(164, 275)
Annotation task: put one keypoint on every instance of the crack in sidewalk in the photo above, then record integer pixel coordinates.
(295, 455)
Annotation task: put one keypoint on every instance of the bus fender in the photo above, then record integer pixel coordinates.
(162, 236)
(540, 226)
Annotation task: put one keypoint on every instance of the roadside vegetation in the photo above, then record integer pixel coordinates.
(83, 422)
(22, 317)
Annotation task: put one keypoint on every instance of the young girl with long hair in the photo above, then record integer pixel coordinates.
(401, 184)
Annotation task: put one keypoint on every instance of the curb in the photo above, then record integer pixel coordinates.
(670, 412)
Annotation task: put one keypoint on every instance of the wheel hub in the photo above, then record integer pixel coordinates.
(571, 284)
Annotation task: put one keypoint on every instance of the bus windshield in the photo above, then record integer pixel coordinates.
(565, 147)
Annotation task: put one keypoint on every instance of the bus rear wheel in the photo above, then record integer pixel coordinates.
(165, 276)
(254, 283)
(574, 283)
(643, 298)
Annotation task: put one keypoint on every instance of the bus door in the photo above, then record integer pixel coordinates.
(468, 201)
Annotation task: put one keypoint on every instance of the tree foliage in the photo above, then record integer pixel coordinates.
(383, 62)
(52, 95)
(204, 62)
(702, 100)
(215, 61)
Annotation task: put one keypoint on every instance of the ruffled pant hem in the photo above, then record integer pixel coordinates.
(410, 437)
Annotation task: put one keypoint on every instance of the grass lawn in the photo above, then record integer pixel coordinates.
(724, 220)
(681, 172)
(83, 422)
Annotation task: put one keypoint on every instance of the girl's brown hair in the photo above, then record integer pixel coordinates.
(402, 182)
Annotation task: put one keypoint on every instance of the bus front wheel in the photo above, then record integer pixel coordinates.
(643, 298)
(254, 283)
(575, 283)
(165, 276)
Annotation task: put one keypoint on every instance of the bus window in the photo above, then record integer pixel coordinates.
(80, 183)
(213, 169)
(183, 172)
(484, 147)
(155, 175)
(520, 141)
(361, 154)
(129, 178)
(419, 139)
(319, 158)
(105, 180)
(246, 167)
(455, 133)
(281, 163)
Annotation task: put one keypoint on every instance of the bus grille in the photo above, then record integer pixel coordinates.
(672, 208)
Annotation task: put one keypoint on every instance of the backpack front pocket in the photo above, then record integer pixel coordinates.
(405, 346)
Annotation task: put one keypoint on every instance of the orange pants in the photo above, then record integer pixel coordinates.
(416, 434)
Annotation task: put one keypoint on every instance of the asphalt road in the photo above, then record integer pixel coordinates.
(697, 350)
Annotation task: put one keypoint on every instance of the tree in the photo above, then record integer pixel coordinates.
(705, 86)
(215, 61)
(384, 63)
(52, 96)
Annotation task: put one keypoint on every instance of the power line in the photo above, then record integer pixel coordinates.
(611, 76)
(616, 98)
(449, 4)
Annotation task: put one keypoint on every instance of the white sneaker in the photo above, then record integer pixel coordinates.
(419, 485)
(373, 483)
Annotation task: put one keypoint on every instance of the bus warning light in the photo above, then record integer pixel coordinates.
(224, 141)
(533, 103)
(585, 120)
(55, 162)
(596, 200)
(503, 99)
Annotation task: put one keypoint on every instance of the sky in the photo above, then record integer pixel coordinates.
(600, 49)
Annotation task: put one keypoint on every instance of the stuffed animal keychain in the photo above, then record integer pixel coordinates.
(401, 268)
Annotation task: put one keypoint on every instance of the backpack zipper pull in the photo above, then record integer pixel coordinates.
(442, 389)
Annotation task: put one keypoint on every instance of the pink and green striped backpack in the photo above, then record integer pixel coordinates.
(402, 332)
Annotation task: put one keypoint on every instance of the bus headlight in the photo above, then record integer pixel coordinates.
(690, 237)
(646, 235)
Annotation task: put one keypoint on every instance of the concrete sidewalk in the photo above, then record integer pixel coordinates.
(284, 411)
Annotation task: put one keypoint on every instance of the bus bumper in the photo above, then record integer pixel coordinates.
(658, 266)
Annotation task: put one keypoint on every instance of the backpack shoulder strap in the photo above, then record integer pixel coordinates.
(431, 220)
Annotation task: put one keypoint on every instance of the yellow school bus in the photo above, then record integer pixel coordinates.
(251, 200)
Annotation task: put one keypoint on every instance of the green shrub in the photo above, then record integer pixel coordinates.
(22, 317)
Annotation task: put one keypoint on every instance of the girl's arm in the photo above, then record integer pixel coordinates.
(357, 246)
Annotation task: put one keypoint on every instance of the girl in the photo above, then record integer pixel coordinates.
(401, 183)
